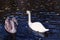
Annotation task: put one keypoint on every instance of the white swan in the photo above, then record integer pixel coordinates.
(10, 25)
(36, 26)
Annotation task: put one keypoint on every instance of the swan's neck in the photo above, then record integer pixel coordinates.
(13, 27)
(29, 18)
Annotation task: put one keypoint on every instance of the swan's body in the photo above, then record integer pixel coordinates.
(36, 26)
(10, 25)
(13, 27)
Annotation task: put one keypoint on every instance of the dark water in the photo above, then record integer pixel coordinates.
(49, 19)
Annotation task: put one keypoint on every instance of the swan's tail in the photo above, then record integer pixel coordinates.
(47, 30)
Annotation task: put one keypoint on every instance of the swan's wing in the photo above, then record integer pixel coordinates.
(38, 27)
(7, 25)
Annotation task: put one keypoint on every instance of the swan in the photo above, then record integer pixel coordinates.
(10, 25)
(36, 26)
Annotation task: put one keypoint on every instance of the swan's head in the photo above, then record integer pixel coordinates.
(28, 12)
(14, 19)
(7, 19)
